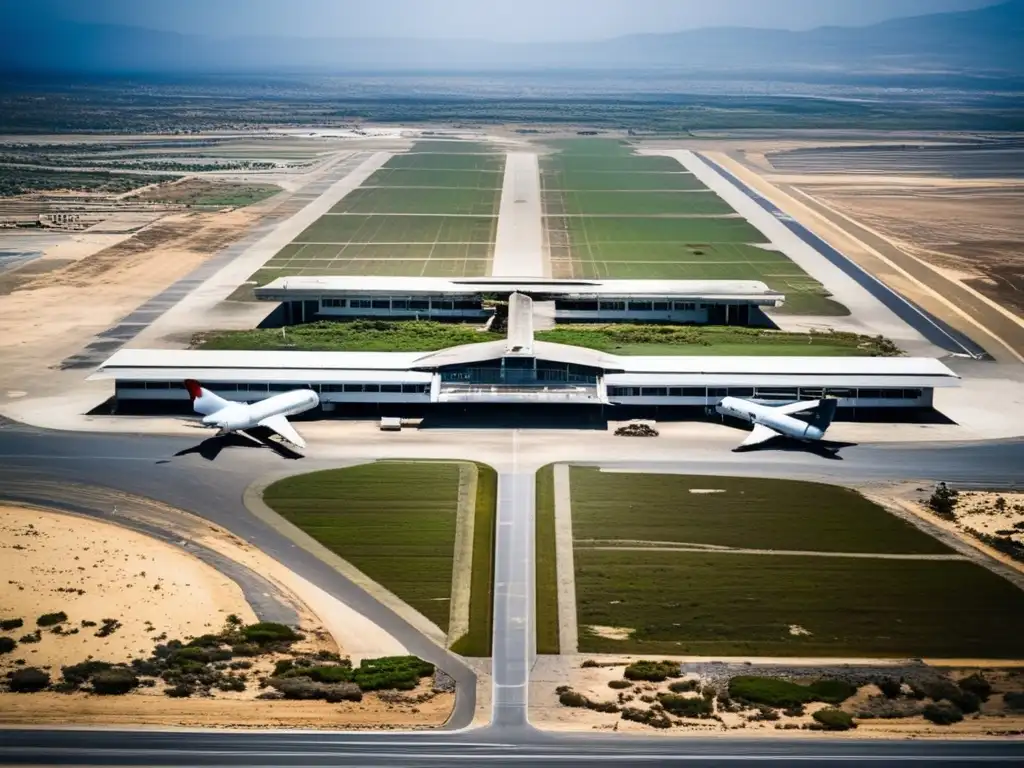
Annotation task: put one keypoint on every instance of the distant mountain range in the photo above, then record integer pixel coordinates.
(987, 43)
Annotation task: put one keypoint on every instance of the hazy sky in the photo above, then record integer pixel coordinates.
(521, 20)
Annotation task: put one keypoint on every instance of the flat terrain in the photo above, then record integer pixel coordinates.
(428, 212)
(610, 213)
(735, 566)
(621, 339)
(203, 192)
(394, 521)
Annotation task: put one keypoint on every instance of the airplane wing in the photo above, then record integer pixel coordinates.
(280, 425)
(761, 434)
(806, 405)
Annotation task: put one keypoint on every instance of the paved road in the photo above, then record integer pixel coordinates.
(49, 464)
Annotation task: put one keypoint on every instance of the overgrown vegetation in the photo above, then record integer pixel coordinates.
(775, 692)
(18, 180)
(49, 619)
(652, 671)
(833, 719)
(428, 336)
(477, 641)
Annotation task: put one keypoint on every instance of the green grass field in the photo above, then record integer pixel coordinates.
(403, 177)
(394, 521)
(359, 228)
(764, 514)
(745, 603)
(620, 180)
(477, 641)
(546, 608)
(476, 202)
(588, 231)
(611, 203)
(609, 163)
(456, 146)
(424, 336)
(447, 162)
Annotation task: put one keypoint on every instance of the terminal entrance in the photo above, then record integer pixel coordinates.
(520, 379)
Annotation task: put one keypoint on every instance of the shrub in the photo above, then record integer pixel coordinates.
(652, 671)
(7, 644)
(976, 684)
(589, 664)
(885, 708)
(1014, 700)
(303, 688)
(231, 683)
(269, 633)
(9, 624)
(783, 693)
(833, 719)
(241, 665)
(205, 641)
(32, 637)
(179, 691)
(685, 706)
(149, 667)
(28, 680)
(343, 692)
(246, 649)
(890, 687)
(114, 682)
(943, 501)
(943, 713)
(332, 673)
(608, 707)
(619, 684)
(796, 711)
(562, 689)
(682, 686)
(82, 673)
(49, 619)
(764, 714)
(399, 672)
(87, 623)
(109, 627)
(966, 702)
(572, 699)
(647, 717)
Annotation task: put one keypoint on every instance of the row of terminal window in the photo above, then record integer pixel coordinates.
(765, 393)
(223, 387)
(632, 306)
(399, 304)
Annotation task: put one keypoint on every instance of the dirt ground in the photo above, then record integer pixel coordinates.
(93, 570)
(192, 191)
(975, 233)
(592, 682)
(54, 312)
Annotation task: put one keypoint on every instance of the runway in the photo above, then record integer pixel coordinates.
(47, 466)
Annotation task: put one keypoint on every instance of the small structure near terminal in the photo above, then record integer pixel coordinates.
(706, 302)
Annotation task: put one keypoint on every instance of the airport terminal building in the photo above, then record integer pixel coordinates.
(705, 302)
(521, 370)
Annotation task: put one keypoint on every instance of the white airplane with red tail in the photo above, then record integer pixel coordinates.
(271, 413)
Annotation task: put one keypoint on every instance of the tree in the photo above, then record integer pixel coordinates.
(943, 501)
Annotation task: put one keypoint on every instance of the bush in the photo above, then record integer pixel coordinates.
(834, 719)
(647, 717)
(231, 683)
(943, 501)
(943, 713)
(682, 686)
(797, 711)
(269, 633)
(1014, 700)
(82, 673)
(246, 649)
(890, 687)
(7, 644)
(685, 706)
(148, 667)
(8, 624)
(619, 684)
(331, 673)
(652, 671)
(32, 637)
(977, 685)
(109, 627)
(205, 641)
(572, 699)
(589, 664)
(399, 672)
(764, 714)
(49, 619)
(885, 708)
(608, 707)
(28, 680)
(783, 693)
(179, 691)
(114, 682)
(241, 665)
(304, 688)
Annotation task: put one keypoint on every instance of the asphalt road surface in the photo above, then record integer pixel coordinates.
(55, 467)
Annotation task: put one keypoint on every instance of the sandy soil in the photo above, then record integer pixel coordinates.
(53, 315)
(592, 682)
(135, 710)
(93, 570)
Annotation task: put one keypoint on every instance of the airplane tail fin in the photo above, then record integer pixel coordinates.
(824, 413)
(204, 401)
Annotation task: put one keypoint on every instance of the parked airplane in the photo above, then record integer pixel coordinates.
(238, 417)
(777, 421)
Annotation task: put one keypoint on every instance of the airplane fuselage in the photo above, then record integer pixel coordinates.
(246, 416)
(755, 413)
